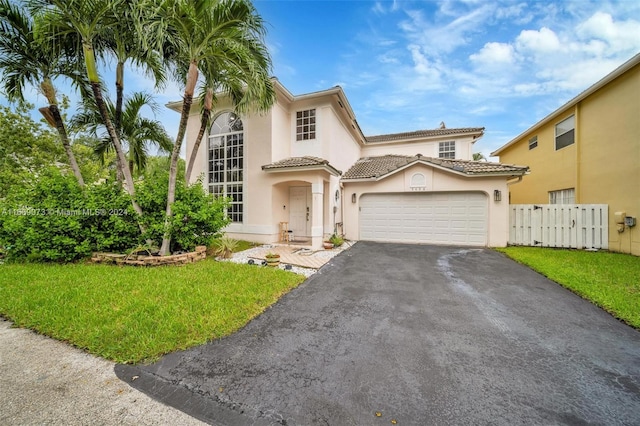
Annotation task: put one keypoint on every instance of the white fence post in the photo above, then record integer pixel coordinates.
(559, 225)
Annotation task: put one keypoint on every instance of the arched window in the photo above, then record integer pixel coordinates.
(418, 181)
(226, 165)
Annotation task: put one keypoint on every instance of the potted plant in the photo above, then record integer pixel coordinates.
(328, 245)
(273, 259)
(336, 240)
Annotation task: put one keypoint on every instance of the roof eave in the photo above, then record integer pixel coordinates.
(325, 167)
(348, 180)
(478, 135)
(510, 173)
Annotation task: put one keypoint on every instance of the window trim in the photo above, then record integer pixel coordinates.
(229, 187)
(572, 131)
(533, 142)
(449, 153)
(563, 196)
(306, 127)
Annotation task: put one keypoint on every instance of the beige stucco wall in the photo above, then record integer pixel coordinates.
(437, 181)
(464, 148)
(280, 131)
(319, 146)
(270, 137)
(603, 165)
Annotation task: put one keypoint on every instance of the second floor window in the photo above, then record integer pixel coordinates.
(306, 124)
(447, 149)
(565, 132)
(533, 142)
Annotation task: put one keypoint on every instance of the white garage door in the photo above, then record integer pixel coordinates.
(457, 218)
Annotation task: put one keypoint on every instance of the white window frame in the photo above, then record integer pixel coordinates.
(306, 124)
(563, 196)
(447, 149)
(565, 130)
(533, 142)
(225, 162)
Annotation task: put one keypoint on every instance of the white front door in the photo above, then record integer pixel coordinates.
(300, 211)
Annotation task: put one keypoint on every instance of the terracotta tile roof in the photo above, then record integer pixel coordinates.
(375, 167)
(301, 162)
(424, 133)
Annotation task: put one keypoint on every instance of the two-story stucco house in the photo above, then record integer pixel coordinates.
(588, 152)
(307, 164)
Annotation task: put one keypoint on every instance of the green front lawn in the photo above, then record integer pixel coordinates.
(131, 314)
(609, 280)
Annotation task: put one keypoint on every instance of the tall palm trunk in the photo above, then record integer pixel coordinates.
(204, 124)
(118, 114)
(49, 92)
(119, 94)
(192, 79)
(94, 79)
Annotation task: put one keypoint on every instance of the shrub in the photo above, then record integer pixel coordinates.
(53, 219)
(225, 246)
(336, 240)
(197, 216)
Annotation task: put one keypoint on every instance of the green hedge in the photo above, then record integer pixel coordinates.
(53, 219)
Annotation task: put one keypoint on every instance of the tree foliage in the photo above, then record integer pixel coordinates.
(217, 44)
(137, 132)
(53, 219)
(28, 59)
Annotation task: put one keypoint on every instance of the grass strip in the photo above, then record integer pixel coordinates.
(609, 280)
(134, 314)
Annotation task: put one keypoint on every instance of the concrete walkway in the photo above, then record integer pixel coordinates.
(298, 256)
(47, 382)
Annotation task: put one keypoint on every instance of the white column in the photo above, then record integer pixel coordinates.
(317, 219)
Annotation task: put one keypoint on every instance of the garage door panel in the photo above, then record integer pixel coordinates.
(439, 218)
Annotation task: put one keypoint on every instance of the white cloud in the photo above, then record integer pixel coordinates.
(379, 8)
(445, 35)
(493, 53)
(515, 13)
(619, 36)
(421, 64)
(541, 42)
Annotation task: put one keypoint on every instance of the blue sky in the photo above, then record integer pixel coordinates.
(408, 65)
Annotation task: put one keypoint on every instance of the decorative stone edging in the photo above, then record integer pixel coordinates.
(137, 260)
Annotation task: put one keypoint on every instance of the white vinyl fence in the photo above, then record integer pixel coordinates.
(559, 225)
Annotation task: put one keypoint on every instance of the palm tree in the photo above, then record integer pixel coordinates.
(87, 19)
(126, 46)
(136, 131)
(228, 34)
(232, 84)
(478, 156)
(27, 60)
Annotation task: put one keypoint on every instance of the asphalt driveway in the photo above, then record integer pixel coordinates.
(417, 335)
